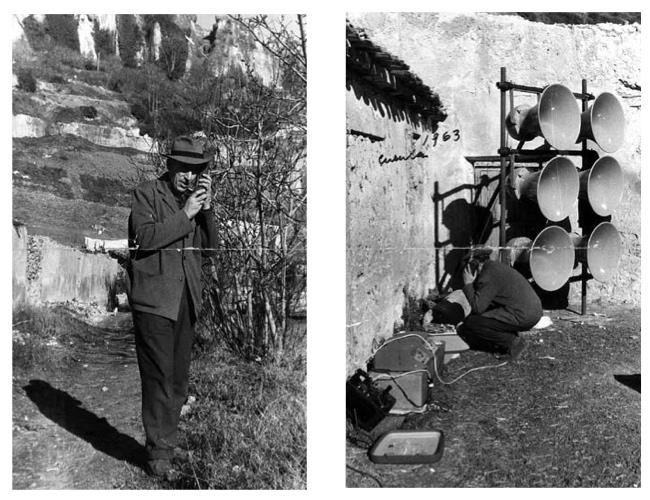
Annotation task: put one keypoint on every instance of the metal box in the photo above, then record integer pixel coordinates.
(410, 389)
(409, 351)
(454, 345)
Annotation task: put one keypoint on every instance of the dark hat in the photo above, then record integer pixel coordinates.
(480, 252)
(187, 150)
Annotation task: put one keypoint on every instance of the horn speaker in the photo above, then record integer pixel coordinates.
(602, 185)
(554, 188)
(600, 250)
(556, 118)
(550, 257)
(604, 123)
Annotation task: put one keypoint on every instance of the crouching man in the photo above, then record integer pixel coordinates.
(170, 220)
(502, 303)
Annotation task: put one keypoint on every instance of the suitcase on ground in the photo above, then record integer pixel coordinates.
(409, 351)
(410, 389)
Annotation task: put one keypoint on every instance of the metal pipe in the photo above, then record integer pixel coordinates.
(436, 231)
(585, 275)
(502, 182)
(504, 86)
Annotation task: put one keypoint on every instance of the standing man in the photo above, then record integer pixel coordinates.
(502, 303)
(170, 221)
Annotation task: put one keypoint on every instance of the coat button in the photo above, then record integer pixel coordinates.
(180, 278)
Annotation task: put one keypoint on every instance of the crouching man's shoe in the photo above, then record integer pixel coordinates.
(162, 468)
(181, 454)
(517, 348)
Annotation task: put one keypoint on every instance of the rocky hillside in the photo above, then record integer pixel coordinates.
(80, 141)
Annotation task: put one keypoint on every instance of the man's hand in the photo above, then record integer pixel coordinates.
(468, 275)
(205, 182)
(195, 202)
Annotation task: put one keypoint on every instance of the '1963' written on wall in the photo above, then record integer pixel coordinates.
(437, 140)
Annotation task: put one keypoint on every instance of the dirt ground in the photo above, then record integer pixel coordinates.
(79, 427)
(568, 414)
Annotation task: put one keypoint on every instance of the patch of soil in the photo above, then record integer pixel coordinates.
(568, 414)
(79, 427)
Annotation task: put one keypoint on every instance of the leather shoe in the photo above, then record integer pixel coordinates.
(162, 468)
(517, 348)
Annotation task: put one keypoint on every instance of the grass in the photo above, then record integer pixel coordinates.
(39, 334)
(247, 428)
(67, 221)
(560, 417)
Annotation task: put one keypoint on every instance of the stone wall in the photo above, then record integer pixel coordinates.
(390, 208)
(19, 263)
(45, 271)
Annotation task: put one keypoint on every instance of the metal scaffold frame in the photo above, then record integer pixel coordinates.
(508, 160)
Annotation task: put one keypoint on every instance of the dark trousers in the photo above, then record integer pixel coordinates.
(487, 334)
(163, 347)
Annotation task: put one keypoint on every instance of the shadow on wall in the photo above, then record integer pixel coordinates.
(389, 107)
(467, 224)
(120, 283)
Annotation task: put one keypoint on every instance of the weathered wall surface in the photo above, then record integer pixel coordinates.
(45, 271)
(67, 273)
(19, 264)
(390, 214)
(390, 210)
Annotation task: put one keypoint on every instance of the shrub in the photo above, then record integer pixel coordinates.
(103, 190)
(26, 80)
(59, 57)
(88, 112)
(36, 33)
(104, 41)
(130, 39)
(62, 28)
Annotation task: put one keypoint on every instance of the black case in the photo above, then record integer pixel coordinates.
(366, 405)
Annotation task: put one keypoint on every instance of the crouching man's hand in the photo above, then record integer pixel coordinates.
(469, 275)
(195, 202)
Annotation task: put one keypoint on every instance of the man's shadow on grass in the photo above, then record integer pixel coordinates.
(632, 381)
(66, 411)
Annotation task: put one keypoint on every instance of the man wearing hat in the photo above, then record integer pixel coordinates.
(170, 222)
(502, 304)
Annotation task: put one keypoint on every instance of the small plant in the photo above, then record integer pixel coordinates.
(62, 28)
(104, 41)
(26, 80)
(36, 332)
(36, 33)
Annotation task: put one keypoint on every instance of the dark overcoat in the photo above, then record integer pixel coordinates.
(167, 252)
(502, 293)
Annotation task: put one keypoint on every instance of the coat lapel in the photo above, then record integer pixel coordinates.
(167, 196)
(166, 193)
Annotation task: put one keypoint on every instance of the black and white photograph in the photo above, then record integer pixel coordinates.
(159, 266)
(493, 248)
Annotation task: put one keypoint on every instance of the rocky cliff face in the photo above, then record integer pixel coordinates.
(138, 38)
(77, 149)
(390, 210)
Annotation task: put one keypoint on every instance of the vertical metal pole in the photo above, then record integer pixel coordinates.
(502, 185)
(436, 232)
(583, 281)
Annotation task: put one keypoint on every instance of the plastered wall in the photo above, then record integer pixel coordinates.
(390, 208)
